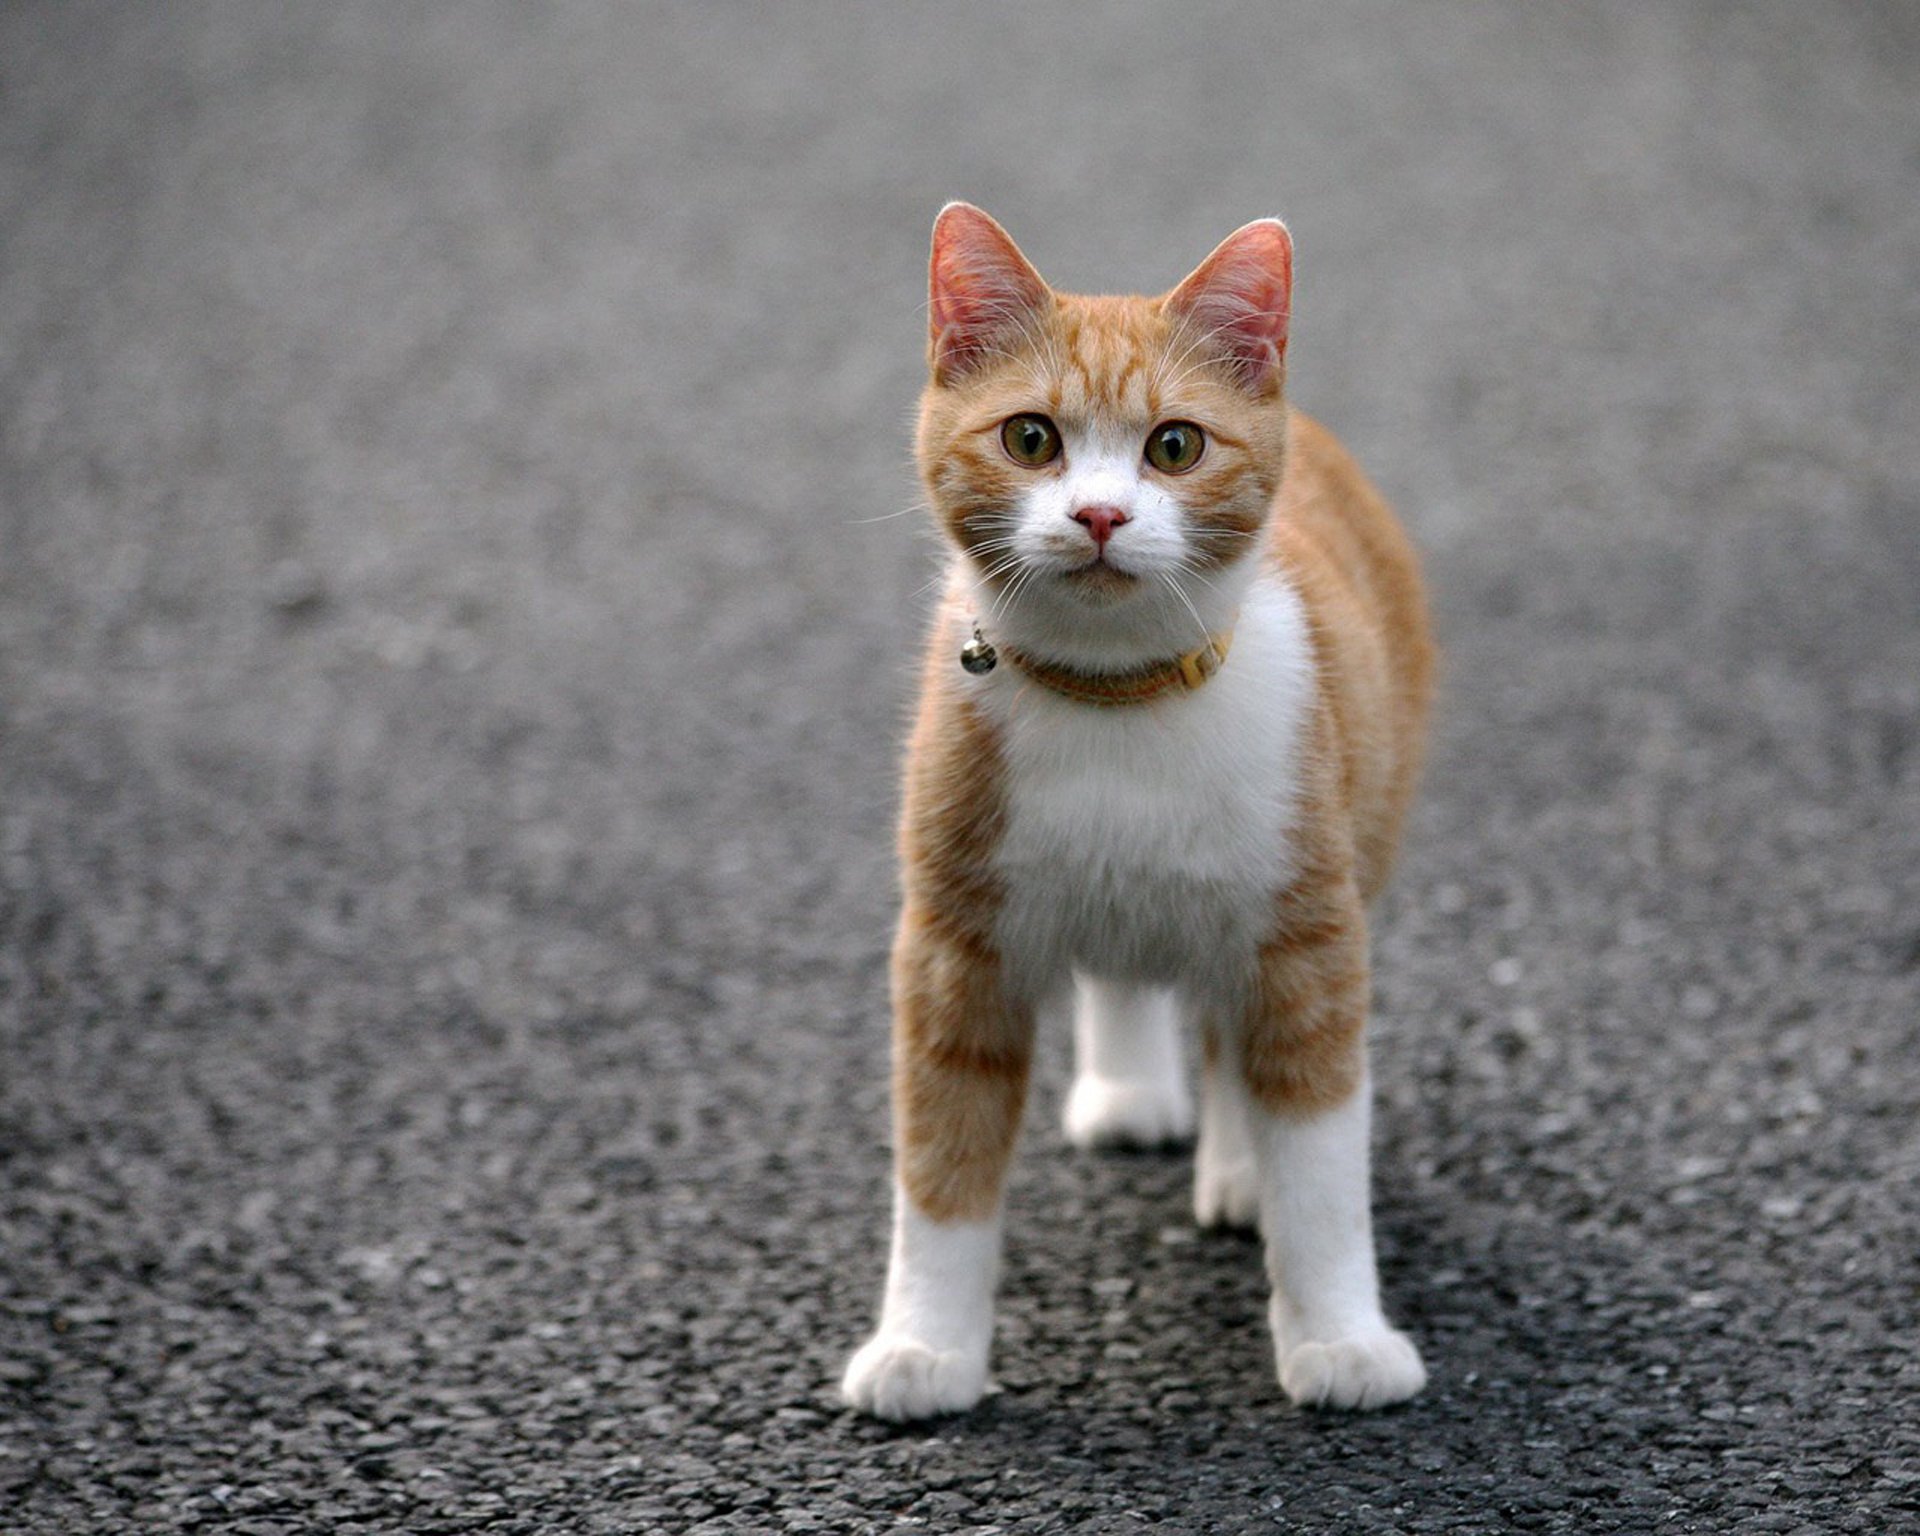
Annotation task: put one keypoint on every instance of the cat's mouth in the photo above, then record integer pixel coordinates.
(1099, 575)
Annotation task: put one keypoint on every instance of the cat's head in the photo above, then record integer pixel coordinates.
(1105, 465)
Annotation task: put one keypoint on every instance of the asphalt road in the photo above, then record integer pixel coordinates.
(453, 646)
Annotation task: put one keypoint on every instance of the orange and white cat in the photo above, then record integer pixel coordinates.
(1171, 717)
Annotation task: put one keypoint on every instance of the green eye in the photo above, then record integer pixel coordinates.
(1030, 440)
(1175, 446)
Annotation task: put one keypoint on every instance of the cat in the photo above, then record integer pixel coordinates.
(1171, 716)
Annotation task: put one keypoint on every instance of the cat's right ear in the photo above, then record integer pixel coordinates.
(979, 289)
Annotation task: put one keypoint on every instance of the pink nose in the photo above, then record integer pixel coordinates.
(1100, 522)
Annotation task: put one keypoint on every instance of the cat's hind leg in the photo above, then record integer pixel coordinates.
(1226, 1174)
(1129, 1083)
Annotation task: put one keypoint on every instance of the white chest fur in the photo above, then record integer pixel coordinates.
(1145, 843)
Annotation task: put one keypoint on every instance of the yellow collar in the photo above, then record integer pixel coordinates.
(1140, 685)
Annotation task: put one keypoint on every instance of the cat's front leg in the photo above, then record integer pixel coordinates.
(1303, 1062)
(929, 1354)
(1332, 1343)
(961, 1054)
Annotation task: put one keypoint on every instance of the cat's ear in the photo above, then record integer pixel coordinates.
(1239, 299)
(980, 287)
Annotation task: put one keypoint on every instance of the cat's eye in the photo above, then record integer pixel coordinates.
(1030, 440)
(1175, 446)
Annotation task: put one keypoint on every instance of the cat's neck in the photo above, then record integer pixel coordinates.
(1156, 624)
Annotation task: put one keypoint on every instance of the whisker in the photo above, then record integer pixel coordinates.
(918, 506)
(1001, 567)
(1006, 598)
(1187, 567)
(1175, 588)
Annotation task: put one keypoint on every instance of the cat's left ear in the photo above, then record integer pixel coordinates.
(979, 287)
(1240, 297)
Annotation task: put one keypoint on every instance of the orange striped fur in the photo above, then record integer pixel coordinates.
(962, 1046)
(1091, 814)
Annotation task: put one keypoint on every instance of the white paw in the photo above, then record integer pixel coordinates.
(1365, 1370)
(1109, 1112)
(894, 1377)
(1226, 1194)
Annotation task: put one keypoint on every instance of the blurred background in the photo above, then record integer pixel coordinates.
(454, 642)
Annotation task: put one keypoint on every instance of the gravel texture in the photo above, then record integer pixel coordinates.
(453, 645)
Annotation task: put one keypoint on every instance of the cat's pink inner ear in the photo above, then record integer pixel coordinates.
(1240, 298)
(980, 287)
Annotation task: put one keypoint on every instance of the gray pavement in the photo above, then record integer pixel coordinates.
(452, 653)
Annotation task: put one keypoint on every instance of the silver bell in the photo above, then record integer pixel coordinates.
(977, 656)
